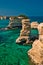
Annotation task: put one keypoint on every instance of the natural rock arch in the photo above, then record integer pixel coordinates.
(36, 53)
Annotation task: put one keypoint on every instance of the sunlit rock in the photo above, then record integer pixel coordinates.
(34, 24)
(36, 53)
(24, 33)
(40, 28)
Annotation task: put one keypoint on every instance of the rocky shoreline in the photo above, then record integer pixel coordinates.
(36, 52)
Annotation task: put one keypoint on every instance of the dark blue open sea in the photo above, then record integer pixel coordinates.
(10, 52)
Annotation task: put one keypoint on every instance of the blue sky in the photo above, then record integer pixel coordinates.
(16, 7)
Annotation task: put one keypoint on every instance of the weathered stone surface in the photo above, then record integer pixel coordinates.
(25, 27)
(24, 33)
(34, 24)
(40, 28)
(36, 53)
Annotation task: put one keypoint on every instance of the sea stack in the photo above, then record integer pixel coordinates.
(24, 33)
(36, 53)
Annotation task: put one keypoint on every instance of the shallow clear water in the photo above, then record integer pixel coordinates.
(10, 52)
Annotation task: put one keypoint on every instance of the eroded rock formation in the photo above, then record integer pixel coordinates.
(40, 28)
(36, 53)
(24, 33)
(34, 24)
(14, 22)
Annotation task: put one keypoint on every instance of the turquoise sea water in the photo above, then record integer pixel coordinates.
(3, 23)
(10, 52)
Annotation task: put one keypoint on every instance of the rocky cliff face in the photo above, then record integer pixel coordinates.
(24, 33)
(25, 27)
(36, 53)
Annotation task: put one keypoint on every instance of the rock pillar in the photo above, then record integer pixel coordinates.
(24, 33)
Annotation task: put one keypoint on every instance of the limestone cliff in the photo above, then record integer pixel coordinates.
(24, 33)
(36, 53)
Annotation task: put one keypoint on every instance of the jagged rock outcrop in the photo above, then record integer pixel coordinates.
(24, 33)
(34, 24)
(36, 53)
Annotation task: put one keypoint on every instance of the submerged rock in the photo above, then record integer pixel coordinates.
(24, 33)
